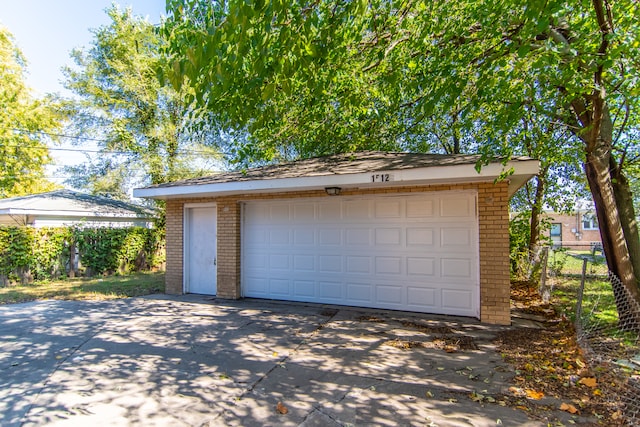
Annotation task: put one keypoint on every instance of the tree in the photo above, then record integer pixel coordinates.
(25, 123)
(140, 125)
(407, 60)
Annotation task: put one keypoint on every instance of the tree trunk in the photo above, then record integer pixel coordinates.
(534, 228)
(613, 242)
(624, 202)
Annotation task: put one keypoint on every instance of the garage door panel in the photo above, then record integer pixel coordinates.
(279, 262)
(422, 297)
(421, 209)
(390, 295)
(456, 268)
(360, 292)
(304, 212)
(304, 289)
(421, 266)
(304, 237)
(330, 211)
(456, 207)
(256, 261)
(255, 286)
(420, 236)
(358, 237)
(256, 236)
(330, 236)
(357, 210)
(279, 288)
(388, 236)
(388, 265)
(304, 263)
(330, 291)
(279, 213)
(388, 209)
(330, 263)
(358, 264)
(393, 252)
(457, 300)
(456, 237)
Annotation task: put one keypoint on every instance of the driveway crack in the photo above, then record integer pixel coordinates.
(282, 360)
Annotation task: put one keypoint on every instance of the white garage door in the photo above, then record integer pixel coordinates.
(416, 252)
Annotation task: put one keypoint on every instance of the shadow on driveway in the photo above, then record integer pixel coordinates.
(191, 360)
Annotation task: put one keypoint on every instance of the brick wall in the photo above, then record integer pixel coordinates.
(174, 250)
(494, 241)
(573, 235)
(493, 219)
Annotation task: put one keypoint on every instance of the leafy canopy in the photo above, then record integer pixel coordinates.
(141, 125)
(25, 123)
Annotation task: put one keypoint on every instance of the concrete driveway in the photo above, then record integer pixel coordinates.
(191, 360)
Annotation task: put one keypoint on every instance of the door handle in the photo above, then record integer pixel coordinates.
(215, 261)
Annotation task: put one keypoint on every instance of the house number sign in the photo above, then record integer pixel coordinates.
(381, 177)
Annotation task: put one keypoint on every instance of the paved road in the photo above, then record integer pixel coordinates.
(195, 361)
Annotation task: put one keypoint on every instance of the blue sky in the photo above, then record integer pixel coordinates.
(47, 30)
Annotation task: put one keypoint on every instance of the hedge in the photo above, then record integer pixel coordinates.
(28, 253)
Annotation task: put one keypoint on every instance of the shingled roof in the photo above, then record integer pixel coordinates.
(335, 167)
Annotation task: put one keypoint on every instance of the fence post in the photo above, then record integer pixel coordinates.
(580, 297)
(542, 290)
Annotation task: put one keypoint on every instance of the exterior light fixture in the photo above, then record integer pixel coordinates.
(333, 191)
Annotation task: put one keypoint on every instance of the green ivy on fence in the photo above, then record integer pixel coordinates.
(28, 253)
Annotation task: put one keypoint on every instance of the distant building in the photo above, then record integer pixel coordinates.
(578, 230)
(65, 207)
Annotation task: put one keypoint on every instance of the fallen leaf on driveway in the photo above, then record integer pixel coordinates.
(535, 395)
(282, 409)
(568, 408)
(589, 382)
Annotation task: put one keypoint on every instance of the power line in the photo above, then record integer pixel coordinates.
(84, 150)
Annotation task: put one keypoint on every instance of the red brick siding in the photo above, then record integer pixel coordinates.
(579, 239)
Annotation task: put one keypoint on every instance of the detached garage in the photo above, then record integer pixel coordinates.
(402, 231)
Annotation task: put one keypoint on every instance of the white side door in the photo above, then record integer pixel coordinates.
(200, 254)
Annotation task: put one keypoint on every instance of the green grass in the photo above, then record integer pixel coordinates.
(598, 303)
(570, 263)
(98, 288)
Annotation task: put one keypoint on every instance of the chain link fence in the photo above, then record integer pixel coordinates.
(612, 348)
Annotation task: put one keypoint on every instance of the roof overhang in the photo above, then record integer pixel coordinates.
(515, 172)
(70, 214)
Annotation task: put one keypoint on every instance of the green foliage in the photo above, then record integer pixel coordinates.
(519, 234)
(38, 253)
(23, 119)
(119, 101)
(28, 253)
(122, 250)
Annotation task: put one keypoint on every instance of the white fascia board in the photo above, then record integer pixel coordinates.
(418, 176)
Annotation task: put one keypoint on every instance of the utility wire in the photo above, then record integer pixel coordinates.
(84, 150)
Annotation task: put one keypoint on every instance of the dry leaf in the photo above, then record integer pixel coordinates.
(589, 382)
(535, 395)
(568, 408)
(282, 409)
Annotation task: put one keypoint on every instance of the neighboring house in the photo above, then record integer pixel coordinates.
(415, 232)
(578, 230)
(64, 207)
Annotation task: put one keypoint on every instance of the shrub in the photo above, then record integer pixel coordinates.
(28, 253)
